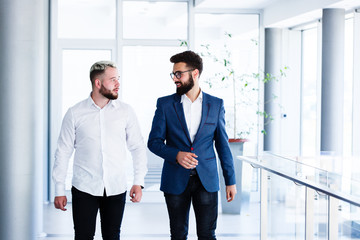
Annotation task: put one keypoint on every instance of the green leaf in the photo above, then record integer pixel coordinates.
(183, 43)
(228, 34)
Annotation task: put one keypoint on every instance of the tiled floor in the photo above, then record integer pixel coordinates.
(148, 220)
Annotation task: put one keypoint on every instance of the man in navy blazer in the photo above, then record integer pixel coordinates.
(184, 129)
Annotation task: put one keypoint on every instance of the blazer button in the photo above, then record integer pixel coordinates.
(192, 149)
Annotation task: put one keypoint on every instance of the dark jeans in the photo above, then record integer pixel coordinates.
(85, 208)
(205, 206)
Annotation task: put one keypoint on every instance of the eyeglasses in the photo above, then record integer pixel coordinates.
(177, 74)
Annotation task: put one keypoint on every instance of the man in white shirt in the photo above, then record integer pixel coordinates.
(99, 128)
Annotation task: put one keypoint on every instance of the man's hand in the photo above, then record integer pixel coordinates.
(60, 202)
(135, 193)
(187, 159)
(230, 192)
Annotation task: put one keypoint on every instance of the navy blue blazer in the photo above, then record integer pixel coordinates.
(169, 135)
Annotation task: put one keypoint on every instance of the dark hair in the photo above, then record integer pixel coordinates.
(99, 68)
(191, 59)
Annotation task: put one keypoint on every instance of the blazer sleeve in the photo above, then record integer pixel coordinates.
(157, 136)
(223, 149)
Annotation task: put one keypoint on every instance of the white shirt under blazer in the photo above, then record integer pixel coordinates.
(192, 112)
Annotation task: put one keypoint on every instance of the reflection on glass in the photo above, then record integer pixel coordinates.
(309, 95)
(155, 20)
(286, 209)
(86, 19)
(320, 216)
(349, 221)
(213, 30)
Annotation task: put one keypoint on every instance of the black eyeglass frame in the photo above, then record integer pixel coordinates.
(178, 74)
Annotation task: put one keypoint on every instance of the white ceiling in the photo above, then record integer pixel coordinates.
(282, 13)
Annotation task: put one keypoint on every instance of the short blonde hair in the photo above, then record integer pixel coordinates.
(99, 68)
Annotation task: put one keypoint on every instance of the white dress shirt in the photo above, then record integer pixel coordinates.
(192, 111)
(99, 137)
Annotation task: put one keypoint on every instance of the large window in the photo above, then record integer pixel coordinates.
(310, 95)
(235, 49)
(76, 84)
(146, 74)
(348, 86)
(141, 36)
(151, 33)
(155, 20)
(86, 19)
(311, 91)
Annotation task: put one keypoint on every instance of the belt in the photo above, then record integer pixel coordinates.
(193, 172)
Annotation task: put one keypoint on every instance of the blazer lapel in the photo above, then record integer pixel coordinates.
(204, 114)
(179, 110)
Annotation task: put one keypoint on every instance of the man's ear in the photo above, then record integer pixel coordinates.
(195, 74)
(97, 83)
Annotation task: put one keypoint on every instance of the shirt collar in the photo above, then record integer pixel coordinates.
(200, 97)
(91, 102)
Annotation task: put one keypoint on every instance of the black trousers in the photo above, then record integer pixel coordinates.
(85, 208)
(205, 206)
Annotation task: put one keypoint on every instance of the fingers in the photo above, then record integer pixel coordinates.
(191, 159)
(187, 159)
(134, 197)
(229, 196)
(60, 202)
(188, 163)
(230, 193)
(135, 194)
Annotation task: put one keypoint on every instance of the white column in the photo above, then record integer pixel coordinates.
(23, 47)
(332, 86)
(273, 52)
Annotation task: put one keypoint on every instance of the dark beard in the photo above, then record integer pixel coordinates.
(107, 93)
(185, 87)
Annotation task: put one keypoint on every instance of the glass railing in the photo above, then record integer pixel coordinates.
(308, 197)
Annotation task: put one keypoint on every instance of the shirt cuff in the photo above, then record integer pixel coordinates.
(138, 182)
(59, 189)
